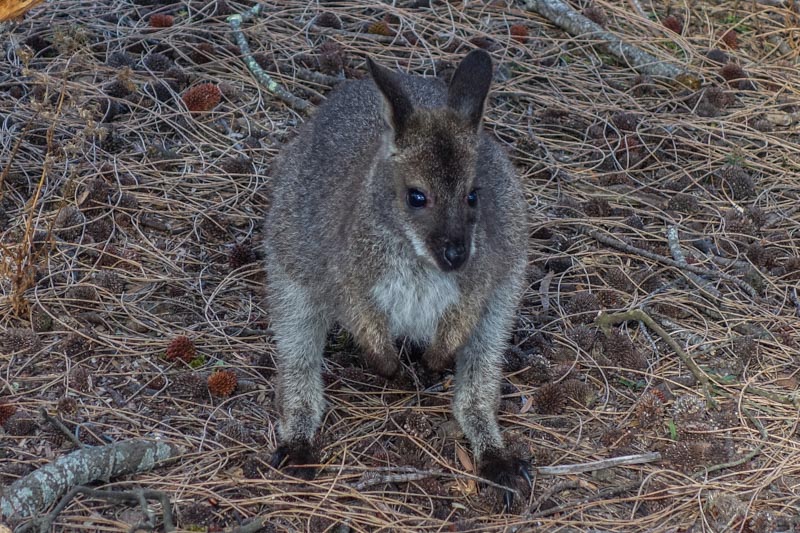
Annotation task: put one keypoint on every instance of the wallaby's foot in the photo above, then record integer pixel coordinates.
(438, 359)
(503, 468)
(294, 458)
(385, 364)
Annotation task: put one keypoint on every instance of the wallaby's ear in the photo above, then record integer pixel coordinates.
(398, 106)
(470, 85)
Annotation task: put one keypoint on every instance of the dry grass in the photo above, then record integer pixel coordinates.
(163, 196)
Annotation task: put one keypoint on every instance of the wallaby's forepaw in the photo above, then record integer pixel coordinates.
(505, 469)
(385, 364)
(438, 360)
(294, 458)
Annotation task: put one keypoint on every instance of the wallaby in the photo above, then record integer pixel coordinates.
(395, 215)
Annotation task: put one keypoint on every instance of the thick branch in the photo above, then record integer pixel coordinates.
(563, 16)
(35, 492)
(265, 79)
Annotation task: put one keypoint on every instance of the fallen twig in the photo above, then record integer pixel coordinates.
(571, 505)
(253, 526)
(555, 489)
(385, 39)
(674, 243)
(796, 301)
(393, 474)
(746, 457)
(59, 425)
(139, 496)
(604, 321)
(638, 8)
(789, 4)
(237, 331)
(271, 85)
(562, 470)
(702, 344)
(38, 490)
(563, 16)
(786, 399)
(544, 291)
(625, 247)
(311, 75)
(370, 479)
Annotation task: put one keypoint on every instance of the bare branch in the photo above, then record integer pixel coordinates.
(38, 490)
(265, 79)
(561, 470)
(139, 496)
(616, 243)
(563, 16)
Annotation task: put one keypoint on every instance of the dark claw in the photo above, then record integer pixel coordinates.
(506, 470)
(508, 500)
(508, 495)
(294, 457)
(278, 456)
(526, 475)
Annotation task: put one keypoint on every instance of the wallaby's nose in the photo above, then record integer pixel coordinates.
(455, 254)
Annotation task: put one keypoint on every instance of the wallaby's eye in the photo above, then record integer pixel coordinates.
(416, 198)
(472, 198)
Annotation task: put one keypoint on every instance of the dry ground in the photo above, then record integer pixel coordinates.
(127, 221)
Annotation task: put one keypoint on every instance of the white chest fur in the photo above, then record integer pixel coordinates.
(414, 299)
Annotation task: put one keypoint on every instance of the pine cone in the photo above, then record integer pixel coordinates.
(222, 383)
(688, 408)
(584, 307)
(649, 410)
(110, 281)
(80, 379)
(7, 410)
(21, 424)
(161, 20)
(76, 343)
(201, 98)
(673, 24)
(241, 254)
(67, 406)
(191, 385)
(417, 424)
(326, 19)
(19, 340)
(380, 28)
(69, 223)
(182, 348)
(578, 392)
(549, 399)
(583, 336)
(519, 32)
(234, 431)
(157, 62)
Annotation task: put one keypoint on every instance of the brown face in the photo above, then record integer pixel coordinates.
(434, 170)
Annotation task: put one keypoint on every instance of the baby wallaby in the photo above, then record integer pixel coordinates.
(395, 215)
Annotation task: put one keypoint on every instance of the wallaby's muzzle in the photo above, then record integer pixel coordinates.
(454, 254)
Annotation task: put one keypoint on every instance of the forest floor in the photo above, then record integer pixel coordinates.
(127, 221)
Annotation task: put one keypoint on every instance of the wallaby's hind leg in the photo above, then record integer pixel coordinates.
(300, 328)
(477, 394)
